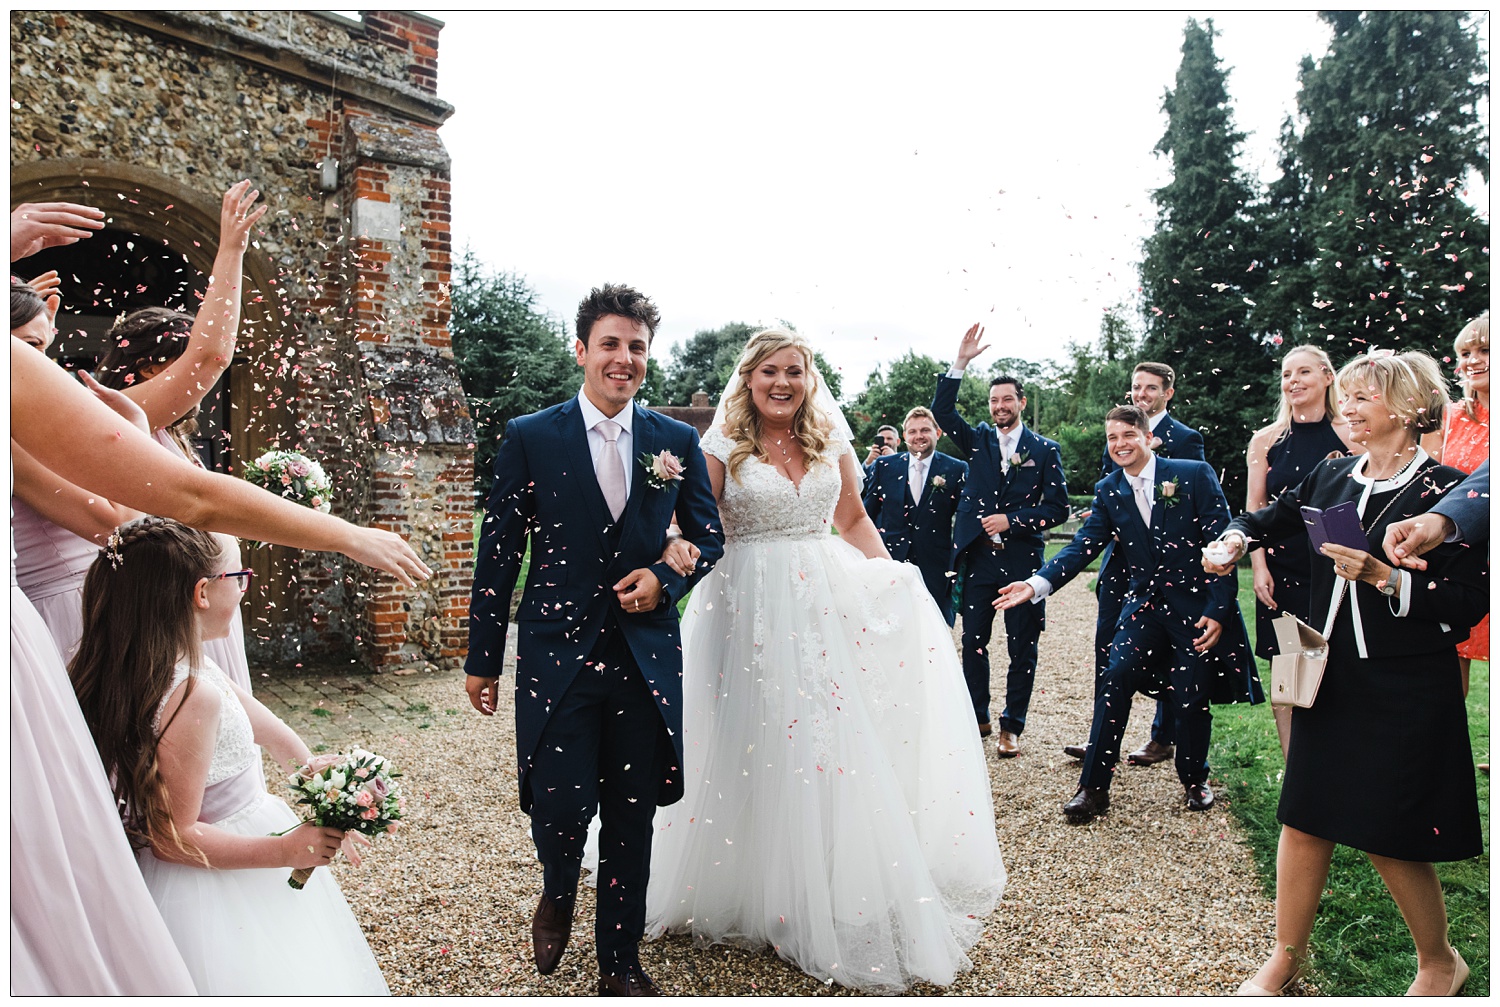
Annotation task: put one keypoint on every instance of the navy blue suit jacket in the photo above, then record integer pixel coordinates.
(920, 533)
(1471, 514)
(1165, 561)
(546, 489)
(1033, 494)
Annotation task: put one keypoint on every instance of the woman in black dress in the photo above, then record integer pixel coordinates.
(1307, 429)
(1392, 670)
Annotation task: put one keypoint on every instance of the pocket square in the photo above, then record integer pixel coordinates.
(1028, 465)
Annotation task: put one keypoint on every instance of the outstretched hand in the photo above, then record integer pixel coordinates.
(385, 550)
(47, 286)
(238, 216)
(1406, 541)
(1212, 630)
(35, 226)
(1013, 594)
(970, 346)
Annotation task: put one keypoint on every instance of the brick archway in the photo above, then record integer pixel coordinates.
(162, 209)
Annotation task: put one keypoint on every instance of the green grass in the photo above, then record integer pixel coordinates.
(1360, 945)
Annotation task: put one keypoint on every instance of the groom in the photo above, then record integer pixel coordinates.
(594, 483)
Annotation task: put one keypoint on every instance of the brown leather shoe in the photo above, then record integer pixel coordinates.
(634, 982)
(1008, 745)
(984, 728)
(1088, 802)
(1151, 753)
(1200, 797)
(551, 925)
(1075, 751)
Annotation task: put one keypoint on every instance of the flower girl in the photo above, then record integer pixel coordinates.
(181, 744)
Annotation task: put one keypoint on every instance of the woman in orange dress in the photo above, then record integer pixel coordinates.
(1466, 443)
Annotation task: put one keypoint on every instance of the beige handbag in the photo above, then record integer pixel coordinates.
(1297, 668)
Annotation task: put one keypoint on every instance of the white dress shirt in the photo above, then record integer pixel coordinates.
(1042, 586)
(625, 417)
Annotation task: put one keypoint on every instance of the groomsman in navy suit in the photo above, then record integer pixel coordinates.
(1014, 492)
(912, 498)
(1162, 513)
(1151, 389)
(594, 484)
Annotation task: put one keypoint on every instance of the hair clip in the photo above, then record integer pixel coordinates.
(112, 549)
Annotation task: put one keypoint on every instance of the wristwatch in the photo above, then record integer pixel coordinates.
(1392, 583)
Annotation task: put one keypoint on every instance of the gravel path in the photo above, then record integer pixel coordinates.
(1148, 900)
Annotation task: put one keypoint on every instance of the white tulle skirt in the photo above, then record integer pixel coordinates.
(248, 932)
(837, 805)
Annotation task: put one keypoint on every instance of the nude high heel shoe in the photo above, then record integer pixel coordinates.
(1460, 974)
(1249, 989)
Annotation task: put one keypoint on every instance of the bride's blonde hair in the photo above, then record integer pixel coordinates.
(812, 429)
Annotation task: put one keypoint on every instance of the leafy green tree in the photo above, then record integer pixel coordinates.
(1390, 127)
(1196, 276)
(1096, 378)
(513, 358)
(706, 360)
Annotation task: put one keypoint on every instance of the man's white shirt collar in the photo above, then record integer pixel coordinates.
(591, 414)
(1155, 421)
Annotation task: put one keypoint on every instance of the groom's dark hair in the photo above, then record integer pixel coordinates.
(616, 299)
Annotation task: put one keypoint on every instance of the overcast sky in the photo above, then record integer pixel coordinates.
(881, 181)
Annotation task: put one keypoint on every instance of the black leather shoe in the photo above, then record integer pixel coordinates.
(633, 982)
(551, 925)
(1075, 751)
(1199, 797)
(1088, 802)
(1151, 753)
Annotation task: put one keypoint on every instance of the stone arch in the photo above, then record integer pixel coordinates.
(163, 209)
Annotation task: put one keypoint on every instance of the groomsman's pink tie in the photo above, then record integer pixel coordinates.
(611, 471)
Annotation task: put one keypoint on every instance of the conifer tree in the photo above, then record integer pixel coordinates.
(1390, 128)
(1196, 277)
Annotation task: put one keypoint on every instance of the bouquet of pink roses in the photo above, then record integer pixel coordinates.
(356, 793)
(294, 476)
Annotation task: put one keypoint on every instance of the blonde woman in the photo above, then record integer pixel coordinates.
(1392, 672)
(837, 804)
(1307, 429)
(1466, 443)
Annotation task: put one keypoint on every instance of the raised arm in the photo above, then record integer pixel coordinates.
(170, 395)
(35, 226)
(945, 398)
(87, 515)
(104, 453)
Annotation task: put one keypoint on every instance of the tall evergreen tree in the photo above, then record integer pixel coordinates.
(1196, 276)
(1390, 129)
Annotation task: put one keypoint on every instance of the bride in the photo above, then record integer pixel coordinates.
(837, 803)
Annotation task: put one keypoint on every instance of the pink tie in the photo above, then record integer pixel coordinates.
(611, 471)
(1142, 501)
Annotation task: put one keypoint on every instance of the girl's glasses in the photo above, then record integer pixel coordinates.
(242, 576)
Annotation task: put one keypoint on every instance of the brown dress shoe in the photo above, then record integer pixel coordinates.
(1075, 751)
(633, 982)
(1151, 753)
(551, 925)
(1088, 802)
(984, 728)
(1199, 797)
(1008, 745)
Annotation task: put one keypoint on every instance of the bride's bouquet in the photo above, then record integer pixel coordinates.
(356, 793)
(293, 475)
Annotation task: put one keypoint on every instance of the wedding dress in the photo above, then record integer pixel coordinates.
(838, 805)
(245, 930)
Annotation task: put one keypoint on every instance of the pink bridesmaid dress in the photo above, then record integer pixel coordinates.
(51, 563)
(81, 920)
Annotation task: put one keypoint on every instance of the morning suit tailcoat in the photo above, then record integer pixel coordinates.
(1164, 562)
(546, 489)
(1033, 494)
(920, 533)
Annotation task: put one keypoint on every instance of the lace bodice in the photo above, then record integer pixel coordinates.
(235, 750)
(762, 504)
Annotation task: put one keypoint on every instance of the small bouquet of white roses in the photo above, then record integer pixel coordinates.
(293, 475)
(357, 793)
